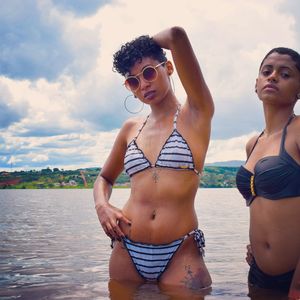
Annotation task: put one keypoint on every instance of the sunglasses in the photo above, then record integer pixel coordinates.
(149, 74)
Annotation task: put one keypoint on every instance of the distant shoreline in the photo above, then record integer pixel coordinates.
(213, 177)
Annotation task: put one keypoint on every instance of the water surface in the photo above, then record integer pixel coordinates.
(52, 246)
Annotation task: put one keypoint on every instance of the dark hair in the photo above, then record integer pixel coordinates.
(136, 50)
(294, 55)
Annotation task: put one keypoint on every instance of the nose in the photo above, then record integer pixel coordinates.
(143, 83)
(273, 77)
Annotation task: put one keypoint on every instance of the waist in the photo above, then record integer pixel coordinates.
(278, 212)
(273, 262)
(165, 180)
(281, 247)
(158, 225)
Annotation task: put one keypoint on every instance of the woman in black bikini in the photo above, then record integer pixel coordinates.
(155, 235)
(270, 179)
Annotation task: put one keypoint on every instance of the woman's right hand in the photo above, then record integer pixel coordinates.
(110, 217)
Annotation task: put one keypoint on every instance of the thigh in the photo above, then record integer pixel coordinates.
(119, 289)
(187, 268)
(121, 266)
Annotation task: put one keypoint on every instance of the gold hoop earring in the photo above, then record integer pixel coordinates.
(133, 105)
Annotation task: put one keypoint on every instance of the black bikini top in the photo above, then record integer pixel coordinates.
(274, 177)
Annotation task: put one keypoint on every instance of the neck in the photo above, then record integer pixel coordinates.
(276, 119)
(164, 109)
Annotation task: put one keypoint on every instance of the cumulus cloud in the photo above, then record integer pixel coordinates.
(62, 104)
(40, 39)
(69, 150)
(229, 57)
(11, 112)
(291, 7)
(31, 47)
(228, 149)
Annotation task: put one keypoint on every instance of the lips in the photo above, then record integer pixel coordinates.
(149, 95)
(270, 87)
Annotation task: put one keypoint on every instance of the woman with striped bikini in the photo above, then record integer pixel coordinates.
(155, 236)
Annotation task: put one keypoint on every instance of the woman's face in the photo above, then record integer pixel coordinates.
(153, 90)
(278, 81)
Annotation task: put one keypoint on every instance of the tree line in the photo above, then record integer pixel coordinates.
(213, 177)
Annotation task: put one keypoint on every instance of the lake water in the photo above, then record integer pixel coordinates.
(52, 245)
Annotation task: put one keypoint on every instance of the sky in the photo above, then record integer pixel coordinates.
(61, 105)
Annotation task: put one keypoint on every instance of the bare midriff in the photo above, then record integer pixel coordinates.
(274, 234)
(163, 210)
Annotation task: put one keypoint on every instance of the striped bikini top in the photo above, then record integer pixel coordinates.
(175, 153)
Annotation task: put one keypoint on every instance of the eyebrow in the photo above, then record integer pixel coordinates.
(280, 67)
(129, 74)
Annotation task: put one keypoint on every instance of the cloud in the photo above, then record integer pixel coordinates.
(62, 104)
(31, 46)
(11, 112)
(291, 7)
(8, 115)
(229, 57)
(38, 40)
(47, 105)
(68, 150)
(228, 149)
(40, 158)
(80, 7)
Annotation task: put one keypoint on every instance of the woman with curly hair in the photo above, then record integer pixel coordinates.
(155, 236)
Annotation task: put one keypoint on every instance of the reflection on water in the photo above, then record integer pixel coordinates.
(128, 290)
(52, 247)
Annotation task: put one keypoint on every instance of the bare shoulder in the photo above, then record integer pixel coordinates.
(125, 133)
(133, 122)
(296, 123)
(131, 126)
(250, 144)
(114, 163)
(295, 130)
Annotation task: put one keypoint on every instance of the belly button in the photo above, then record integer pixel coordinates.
(268, 246)
(153, 215)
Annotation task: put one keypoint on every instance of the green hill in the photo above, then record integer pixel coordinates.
(213, 177)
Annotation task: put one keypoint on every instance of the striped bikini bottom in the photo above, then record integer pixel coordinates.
(152, 260)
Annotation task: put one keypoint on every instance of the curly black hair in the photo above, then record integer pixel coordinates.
(136, 50)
